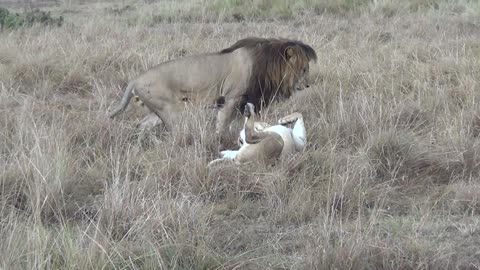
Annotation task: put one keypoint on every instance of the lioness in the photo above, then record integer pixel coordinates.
(254, 70)
(262, 142)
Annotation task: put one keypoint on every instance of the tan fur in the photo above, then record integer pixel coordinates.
(261, 142)
(264, 146)
(252, 70)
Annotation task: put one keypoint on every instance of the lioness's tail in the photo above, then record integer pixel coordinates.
(127, 95)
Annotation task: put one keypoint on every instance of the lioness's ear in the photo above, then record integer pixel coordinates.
(289, 52)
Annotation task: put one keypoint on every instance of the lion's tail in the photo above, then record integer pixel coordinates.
(128, 94)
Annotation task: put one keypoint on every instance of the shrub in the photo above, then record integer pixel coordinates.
(14, 21)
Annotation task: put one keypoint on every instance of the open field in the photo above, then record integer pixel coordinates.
(390, 178)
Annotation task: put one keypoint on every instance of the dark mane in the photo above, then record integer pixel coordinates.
(248, 42)
(269, 66)
(252, 42)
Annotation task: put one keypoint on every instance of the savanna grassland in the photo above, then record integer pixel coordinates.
(390, 178)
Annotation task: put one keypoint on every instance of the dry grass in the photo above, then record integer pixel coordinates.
(390, 179)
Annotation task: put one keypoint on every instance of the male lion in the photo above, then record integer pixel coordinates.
(254, 70)
(265, 143)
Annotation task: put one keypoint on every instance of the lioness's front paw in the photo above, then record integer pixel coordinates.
(290, 118)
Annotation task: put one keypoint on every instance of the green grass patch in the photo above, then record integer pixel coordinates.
(13, 21)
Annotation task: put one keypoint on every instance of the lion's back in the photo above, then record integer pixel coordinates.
(199, 76)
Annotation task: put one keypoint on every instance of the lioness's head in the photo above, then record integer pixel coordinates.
(258, 126)
(249, 114)
(298, 69)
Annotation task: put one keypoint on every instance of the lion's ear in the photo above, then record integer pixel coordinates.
(289, 52)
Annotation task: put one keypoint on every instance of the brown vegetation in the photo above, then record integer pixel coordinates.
(389, 180)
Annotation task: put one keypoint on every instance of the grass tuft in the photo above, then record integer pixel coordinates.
(388, 180)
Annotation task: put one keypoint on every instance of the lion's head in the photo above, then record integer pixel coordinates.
(280, 67)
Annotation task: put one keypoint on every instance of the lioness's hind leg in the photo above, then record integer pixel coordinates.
(299, 135)
(267, 150)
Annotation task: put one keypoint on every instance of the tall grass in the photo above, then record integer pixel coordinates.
(160, 12)
(389, 179)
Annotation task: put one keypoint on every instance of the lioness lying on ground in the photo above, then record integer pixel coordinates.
(260, 141)
(255, 70)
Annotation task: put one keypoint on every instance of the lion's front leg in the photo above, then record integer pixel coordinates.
(225, 117)
(222, 119)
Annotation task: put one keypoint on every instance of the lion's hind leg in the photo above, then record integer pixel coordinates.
(165, 113)
(149, 121)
